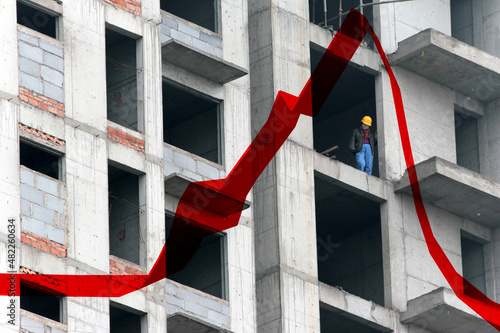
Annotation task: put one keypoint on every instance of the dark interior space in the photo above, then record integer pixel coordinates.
(40, 303)
(332, 322)
(201, 12)
(473, 261)
(39, 159)
(467, 141)
(352, 98)
(206, 270)
(349, 241)
(191, 122)
(462, 21)
(36, 19)
(122, 321)
(121, 80)
(124, 215)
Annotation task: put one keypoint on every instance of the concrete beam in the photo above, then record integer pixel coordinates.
(180, 322)
(357, 308)
(444, 59)
(457, 190)
(354, 180)
(441, 311)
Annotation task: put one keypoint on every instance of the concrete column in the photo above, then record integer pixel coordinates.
(285, 231)
(9, 149)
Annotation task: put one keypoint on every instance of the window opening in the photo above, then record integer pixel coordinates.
(36, 19)
(473, 262)
(40, 159)
(349, 241)
(192, 123)
(123, 321)
(204, 13)
(352, 98)
(41, 303)
(206, 271)
(462, 22)
(126, 232)
(467, 141)
(123, 78)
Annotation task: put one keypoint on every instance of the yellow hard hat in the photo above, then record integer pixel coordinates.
(367, 120)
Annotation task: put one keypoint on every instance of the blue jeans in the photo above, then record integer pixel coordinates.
(364, 159)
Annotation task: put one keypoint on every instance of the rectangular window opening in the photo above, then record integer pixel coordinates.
(124, 80)
(352, 98)
(206, 271)
(42, 303)
(123, 320)
(204, 13)
(473, 261)
(467, 141)
(331, 321)
(126, 207)
(40, 159)
(349, 241)
(192, 123)
(37, 19)
(462, 21)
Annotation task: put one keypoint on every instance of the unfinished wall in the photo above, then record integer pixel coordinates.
(43, 201)
(41, 65)
(493, 138)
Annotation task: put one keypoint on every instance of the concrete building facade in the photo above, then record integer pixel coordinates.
(109, 108)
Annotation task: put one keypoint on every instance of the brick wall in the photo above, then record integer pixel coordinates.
(190, 35)
(41, 73)
(122, 267)
(43, 203)
(125, 139)
(131, 6)
(197, 304)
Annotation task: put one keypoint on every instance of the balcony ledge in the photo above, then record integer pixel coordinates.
(446, 60)
(457, 190)
(441, 311)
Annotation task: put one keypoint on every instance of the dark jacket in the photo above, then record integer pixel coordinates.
(356, 142)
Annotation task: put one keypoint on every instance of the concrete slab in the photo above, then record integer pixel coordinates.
(349, 178)
(176, 184)
(180, 323)
(200, 63)
(441, 311)
(457, 190)
(356, 308)
(444, 59)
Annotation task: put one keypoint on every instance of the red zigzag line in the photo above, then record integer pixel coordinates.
(212, 206)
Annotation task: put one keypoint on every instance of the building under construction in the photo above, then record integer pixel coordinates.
(110, 108)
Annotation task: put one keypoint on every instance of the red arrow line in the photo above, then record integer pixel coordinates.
(216, 205)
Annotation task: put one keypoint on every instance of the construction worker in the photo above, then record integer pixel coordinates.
(362, 145)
